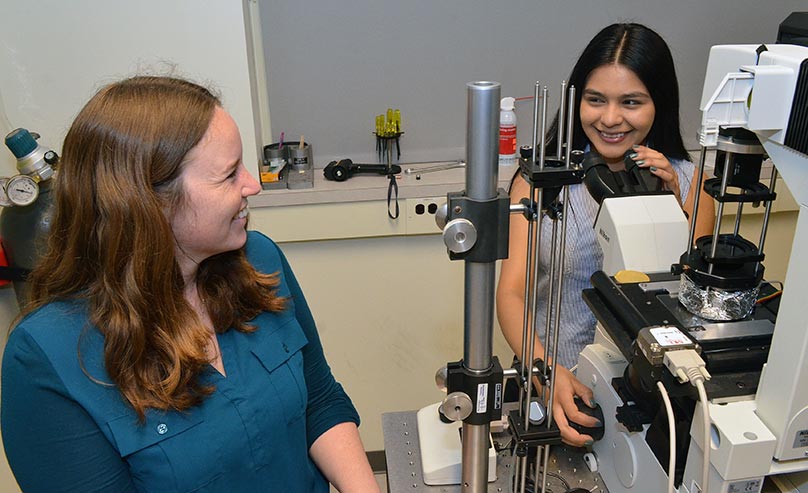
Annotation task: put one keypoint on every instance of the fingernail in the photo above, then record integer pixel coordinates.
(641, 161)
(592, 402)
(633, 155)
(588, 443)
(653, 168)
(599, 423)
(635, 146)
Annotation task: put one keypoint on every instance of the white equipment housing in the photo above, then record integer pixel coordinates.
(646, 233)
(441, 449)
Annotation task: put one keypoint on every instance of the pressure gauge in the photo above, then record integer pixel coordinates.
(4, 202)
(21, 190)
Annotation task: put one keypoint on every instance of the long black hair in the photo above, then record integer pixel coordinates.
(644, 52)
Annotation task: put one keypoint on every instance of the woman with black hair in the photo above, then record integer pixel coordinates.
(627, 100)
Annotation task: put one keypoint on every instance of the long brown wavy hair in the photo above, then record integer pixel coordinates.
(112, 245)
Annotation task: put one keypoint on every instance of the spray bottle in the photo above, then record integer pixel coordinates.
(507, 132)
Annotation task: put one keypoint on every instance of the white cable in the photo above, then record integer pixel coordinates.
(705, 414)
(672, 433)
(688, 366)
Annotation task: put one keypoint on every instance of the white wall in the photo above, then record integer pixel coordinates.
(54, 55)
(390, 313)
(335, 65)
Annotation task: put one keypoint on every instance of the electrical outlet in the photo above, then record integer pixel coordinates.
(421, 215)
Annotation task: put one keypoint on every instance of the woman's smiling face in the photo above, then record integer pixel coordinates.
(616, 111)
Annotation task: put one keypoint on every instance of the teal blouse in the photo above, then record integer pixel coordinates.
(65, 428)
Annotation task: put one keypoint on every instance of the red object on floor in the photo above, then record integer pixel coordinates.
(3, 263)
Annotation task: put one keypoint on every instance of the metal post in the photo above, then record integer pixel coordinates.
(562, 260)
(693, 216)
(560, 119)
(529, 311)
(765, 227)
(724, 181)
(482, 135)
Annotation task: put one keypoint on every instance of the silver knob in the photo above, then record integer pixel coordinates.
(441, 377)
(459, 235)
(441, 215)
(456, 406)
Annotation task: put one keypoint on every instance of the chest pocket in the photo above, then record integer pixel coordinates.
(166, 453)
(280, 355)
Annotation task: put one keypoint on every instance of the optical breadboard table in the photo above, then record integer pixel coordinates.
(404, 473)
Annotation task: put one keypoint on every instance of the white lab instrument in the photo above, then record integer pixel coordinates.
(441, 449)
(646, 233)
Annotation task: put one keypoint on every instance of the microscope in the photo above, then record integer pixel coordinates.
(702, 370)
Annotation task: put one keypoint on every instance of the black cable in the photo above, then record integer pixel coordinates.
(393, 186)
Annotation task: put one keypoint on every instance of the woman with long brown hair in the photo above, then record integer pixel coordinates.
(165, 347)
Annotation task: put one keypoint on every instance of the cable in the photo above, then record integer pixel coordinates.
(688, 366)
(672, 433)
(769, 297)
(705, 414)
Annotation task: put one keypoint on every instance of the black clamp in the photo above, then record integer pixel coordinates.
(489, 217)
(553, 175)
(483, 388)
(541, 373)
(532, 436)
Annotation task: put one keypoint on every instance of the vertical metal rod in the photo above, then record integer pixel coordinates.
(558, 300)
(549, 306)
(545, 451)
(724, 180)
(562, 258)
(737, 228)
(560, 120)
(543, 136)
(530, 293)
(542, 156)
(481, 179)
(529, 332)
(535, 123)
(534, 275)
(738, 219)
(570, 113)
(772, 183)
(693, 216)
(532, 272)
(479, 320)
(554, 298)
(523, 475)
(482, 138)
(529, 313)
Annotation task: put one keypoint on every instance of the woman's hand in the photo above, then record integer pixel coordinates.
(565, 409)
(658, 164)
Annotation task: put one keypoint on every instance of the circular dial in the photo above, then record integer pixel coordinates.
(4, 202)
(22, 190)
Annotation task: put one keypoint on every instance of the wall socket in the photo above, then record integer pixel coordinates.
(421, 215)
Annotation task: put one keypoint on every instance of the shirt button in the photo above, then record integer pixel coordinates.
(162, 429)
(285, 347)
